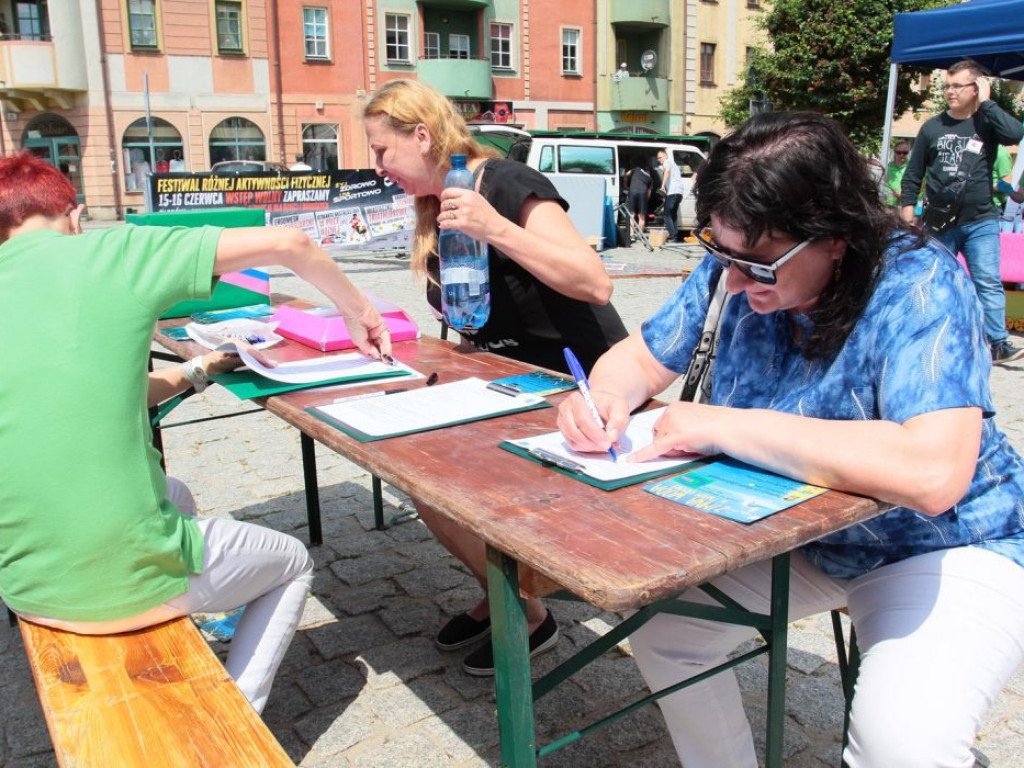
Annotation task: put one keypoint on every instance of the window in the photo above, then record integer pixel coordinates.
(547, 160)
(32, 21)
(229, 26)
(458, 46)
(237, 139)
(431, 45)
(571, 52)
(501, 45)
(396, 30)
(314, 32)
(139, 162)
(586, 159)
(320, 146)
(142, 23)
(707, 63)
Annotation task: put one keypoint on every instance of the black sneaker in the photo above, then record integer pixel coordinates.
(462, 630)
(480, 663)
(1006, 351)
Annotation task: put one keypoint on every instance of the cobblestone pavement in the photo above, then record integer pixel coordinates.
(363, 684)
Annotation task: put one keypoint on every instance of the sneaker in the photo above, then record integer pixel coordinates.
(462, 630)
(1006, 351)
(480, 663)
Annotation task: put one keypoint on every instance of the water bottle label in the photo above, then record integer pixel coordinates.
(474, 278)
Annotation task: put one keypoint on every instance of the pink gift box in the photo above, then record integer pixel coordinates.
(324, 329)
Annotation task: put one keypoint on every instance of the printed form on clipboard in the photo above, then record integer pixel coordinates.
(599, 469)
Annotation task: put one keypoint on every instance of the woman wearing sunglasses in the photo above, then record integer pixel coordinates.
(851, 355)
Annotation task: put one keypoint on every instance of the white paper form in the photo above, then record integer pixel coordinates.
(425, 408)
(600, 466)
(318, 369)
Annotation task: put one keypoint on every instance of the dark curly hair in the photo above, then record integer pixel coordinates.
(797, 174)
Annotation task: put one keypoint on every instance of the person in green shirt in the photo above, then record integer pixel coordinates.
(894, 173)
(90, 540)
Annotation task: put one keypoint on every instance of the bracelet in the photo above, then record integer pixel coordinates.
(195, 373)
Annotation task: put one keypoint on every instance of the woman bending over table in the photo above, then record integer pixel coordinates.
(851, 356)
(548, 287)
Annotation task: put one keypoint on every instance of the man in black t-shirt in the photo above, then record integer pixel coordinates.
(962, 141)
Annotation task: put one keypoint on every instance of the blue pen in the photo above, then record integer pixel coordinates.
(581, 381)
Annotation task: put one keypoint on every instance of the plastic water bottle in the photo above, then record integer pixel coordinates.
(465, 278)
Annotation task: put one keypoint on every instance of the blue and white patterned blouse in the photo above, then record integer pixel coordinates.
(918, 348)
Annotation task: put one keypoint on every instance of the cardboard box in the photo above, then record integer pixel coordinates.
(657, 236)
(324, 329)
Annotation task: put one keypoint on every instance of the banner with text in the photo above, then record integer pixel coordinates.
(338, 209)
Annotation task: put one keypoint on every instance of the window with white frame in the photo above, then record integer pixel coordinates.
(320, 146)
(501, 45)
(229, 26)
(142, 23)
(431, 45)
(396, 31)
(315, 33)
(458, 46)
(571, 51)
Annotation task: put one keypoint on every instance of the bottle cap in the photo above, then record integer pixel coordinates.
(458, 160)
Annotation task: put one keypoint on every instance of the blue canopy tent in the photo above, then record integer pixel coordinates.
(989, 31)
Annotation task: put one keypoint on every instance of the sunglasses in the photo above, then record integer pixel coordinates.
(759, 273)
(898, 152)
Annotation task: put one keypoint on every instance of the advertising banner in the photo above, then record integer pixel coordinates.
(338, 209)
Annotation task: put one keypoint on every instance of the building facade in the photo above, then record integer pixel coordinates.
(275, 80)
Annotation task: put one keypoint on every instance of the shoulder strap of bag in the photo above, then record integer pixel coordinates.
(697, 384)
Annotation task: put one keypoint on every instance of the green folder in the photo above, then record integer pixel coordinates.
(246, 385)
(604, 485)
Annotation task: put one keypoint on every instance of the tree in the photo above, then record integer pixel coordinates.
(832, 57)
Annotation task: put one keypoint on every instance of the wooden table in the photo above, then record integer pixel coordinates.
(616, 550)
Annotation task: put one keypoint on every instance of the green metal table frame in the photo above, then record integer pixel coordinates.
(516, 692)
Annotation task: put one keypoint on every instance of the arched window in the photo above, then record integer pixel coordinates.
(320, 146)
(137, 153)
(237, 139)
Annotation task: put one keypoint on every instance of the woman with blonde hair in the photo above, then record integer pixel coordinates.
(548, 287)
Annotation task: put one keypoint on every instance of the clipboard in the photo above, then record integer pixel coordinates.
(604, 485)
(246, 385)
(421, 410)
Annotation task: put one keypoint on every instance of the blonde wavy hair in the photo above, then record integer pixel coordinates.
(404, 104)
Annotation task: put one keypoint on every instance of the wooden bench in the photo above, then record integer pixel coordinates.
(155, 697)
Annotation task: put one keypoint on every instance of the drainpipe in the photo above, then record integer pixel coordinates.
(275, 49)
(109, 114)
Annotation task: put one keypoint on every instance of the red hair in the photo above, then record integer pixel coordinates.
(31, 187)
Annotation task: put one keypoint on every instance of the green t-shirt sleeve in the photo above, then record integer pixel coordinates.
(165, 265)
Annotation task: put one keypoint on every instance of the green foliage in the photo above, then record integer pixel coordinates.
(1006, 93)
(832, 57)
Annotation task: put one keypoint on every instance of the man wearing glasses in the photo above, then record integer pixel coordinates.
(894, 173)
(955, 152)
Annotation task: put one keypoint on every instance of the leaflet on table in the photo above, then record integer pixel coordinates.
(255, 333)
(234, 313)
(419, 410)
(535, 383)
(734, 490)
(600, 466)
(316, 369)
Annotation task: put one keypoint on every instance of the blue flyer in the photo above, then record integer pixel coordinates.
(537, 383)
(734, 490)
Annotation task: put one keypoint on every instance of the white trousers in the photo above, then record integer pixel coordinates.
(939, 635)
(243, 564)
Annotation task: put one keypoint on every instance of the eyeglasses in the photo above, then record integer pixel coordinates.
(902, 152)
(958, 86)
(759, 273)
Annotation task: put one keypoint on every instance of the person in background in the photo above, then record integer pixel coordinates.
(639, 182)
(894, 173)
(672, 188)
(851, 355)
(963, 140)
(105, 550)
(548, 287)
(621, 73)
(300, 163)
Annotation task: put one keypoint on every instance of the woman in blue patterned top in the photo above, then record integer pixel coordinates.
(851, 355)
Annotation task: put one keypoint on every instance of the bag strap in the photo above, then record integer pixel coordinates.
(697, 384)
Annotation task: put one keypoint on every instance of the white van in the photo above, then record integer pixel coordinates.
(611, 157)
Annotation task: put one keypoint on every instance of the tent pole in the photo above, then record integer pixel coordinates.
(890, 107)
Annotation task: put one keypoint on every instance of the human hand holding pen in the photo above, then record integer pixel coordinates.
(580, 430)
(584, 391)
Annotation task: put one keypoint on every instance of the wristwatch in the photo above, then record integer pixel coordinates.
(195, 373)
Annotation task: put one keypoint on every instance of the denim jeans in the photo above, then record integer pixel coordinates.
(671, 210)
(979, 244)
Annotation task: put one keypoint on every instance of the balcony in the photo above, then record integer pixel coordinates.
(40, 74)
(456, 5)
(640, 94)
(458, 78)
(641, 14)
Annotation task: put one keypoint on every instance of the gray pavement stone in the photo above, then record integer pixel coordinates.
(330, 682)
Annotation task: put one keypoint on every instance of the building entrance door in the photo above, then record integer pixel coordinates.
(54, 139)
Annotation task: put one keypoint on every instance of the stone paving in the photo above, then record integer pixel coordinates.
(363, 685)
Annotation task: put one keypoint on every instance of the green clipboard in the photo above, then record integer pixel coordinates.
(604, 485)
(246, 385)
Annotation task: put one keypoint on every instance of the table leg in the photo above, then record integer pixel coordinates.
(777, 662)
(316, 535)
(378, 504)
(510, 637)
